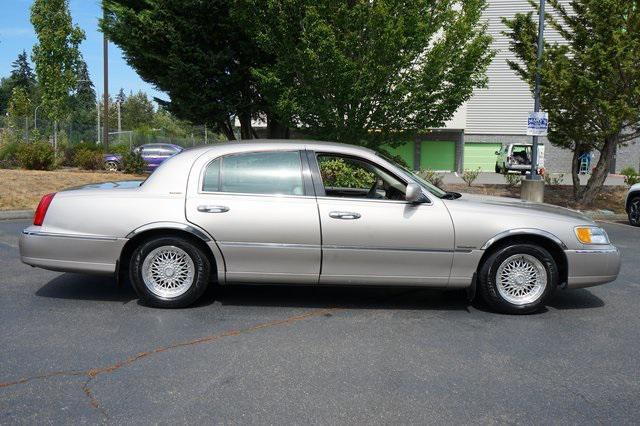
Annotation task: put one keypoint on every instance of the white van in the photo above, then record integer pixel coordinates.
(516, 157)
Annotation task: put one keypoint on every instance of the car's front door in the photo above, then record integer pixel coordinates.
(263, 214)
(370, 234)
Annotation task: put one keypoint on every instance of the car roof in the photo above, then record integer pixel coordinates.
(173, 173)
(260, 144)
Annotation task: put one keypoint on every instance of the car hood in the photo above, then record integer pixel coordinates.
(515, 205)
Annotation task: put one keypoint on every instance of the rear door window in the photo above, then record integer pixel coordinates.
(272, 173)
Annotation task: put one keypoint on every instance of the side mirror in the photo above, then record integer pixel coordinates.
(413, 193)
(497, 152)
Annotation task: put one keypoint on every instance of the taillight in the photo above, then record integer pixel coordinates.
(41, 211)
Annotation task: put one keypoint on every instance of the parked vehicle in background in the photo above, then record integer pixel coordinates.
(313, 213)
(632, 205)
(516, 157)
(153, 155)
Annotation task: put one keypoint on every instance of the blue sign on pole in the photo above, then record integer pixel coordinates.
(538, 124)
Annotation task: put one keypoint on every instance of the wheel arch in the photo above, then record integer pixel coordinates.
(632, 195)
(192, 233)
(545, 239)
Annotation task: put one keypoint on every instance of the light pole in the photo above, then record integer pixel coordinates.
(536, 93)
(532, 188)
(35, 117)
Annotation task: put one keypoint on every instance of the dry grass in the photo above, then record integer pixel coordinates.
(22, 189)
(610, 198)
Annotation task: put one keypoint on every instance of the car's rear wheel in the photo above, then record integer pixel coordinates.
(111, 166)
(633, 212)
(518, 278)
(169, 272)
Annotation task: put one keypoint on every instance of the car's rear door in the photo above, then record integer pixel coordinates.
(260, 208)
(370, 234)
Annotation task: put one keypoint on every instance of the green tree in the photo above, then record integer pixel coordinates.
(590, 83)
(121, 97)
(365, 71)
(83, 105)
(22, 74)
(195, 52)
(20, 108)
(56, 56)
(137, 111)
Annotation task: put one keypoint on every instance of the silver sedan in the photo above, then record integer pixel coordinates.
(312, 213)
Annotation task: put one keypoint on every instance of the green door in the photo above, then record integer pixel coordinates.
(438, 155)
(404, 151)
(480, 155)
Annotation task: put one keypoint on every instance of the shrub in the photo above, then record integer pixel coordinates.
(8, 155)
(512, 180)
(36, 156)
(469, 176)
(432, 177)
(132, 162)
(70, 151)
(551, 180)
(338, 174)
(88, 160)
(631, 177)
(120, 148)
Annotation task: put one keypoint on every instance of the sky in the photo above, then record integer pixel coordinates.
(16, 34)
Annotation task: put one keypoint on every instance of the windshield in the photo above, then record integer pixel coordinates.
(419, 180)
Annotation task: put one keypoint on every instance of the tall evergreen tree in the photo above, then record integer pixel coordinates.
(121, 97)
(83, 117)
(22, 73)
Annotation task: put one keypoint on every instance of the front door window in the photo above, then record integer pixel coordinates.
(348, 177)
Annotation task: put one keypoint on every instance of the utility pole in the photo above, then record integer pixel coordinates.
(532, 188)
(98, 115)
(119, 122)
(105, 52)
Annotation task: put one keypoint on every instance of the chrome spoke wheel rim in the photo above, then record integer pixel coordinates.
(168, 271)
(111, 166)
(521, 279)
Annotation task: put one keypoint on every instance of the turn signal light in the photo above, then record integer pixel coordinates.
(41, 211)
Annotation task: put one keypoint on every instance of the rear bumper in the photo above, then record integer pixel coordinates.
(592, 267)
(70, 252)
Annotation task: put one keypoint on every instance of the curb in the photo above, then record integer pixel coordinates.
(16, 214)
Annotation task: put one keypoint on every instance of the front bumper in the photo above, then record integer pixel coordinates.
(70, 252)
(591, 267)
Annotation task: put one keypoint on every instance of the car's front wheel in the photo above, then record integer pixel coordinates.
(518, 278)
(169, 272)
(633, 212)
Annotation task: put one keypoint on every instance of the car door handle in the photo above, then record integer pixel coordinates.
(344, 215)
(213, 209)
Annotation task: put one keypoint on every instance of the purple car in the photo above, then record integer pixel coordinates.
(153, 155)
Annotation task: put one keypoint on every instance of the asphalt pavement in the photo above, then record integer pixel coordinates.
(79, 349)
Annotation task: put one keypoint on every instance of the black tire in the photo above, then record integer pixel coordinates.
(487, 286)
(199, 282)
(498, 168)
(633, 211)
